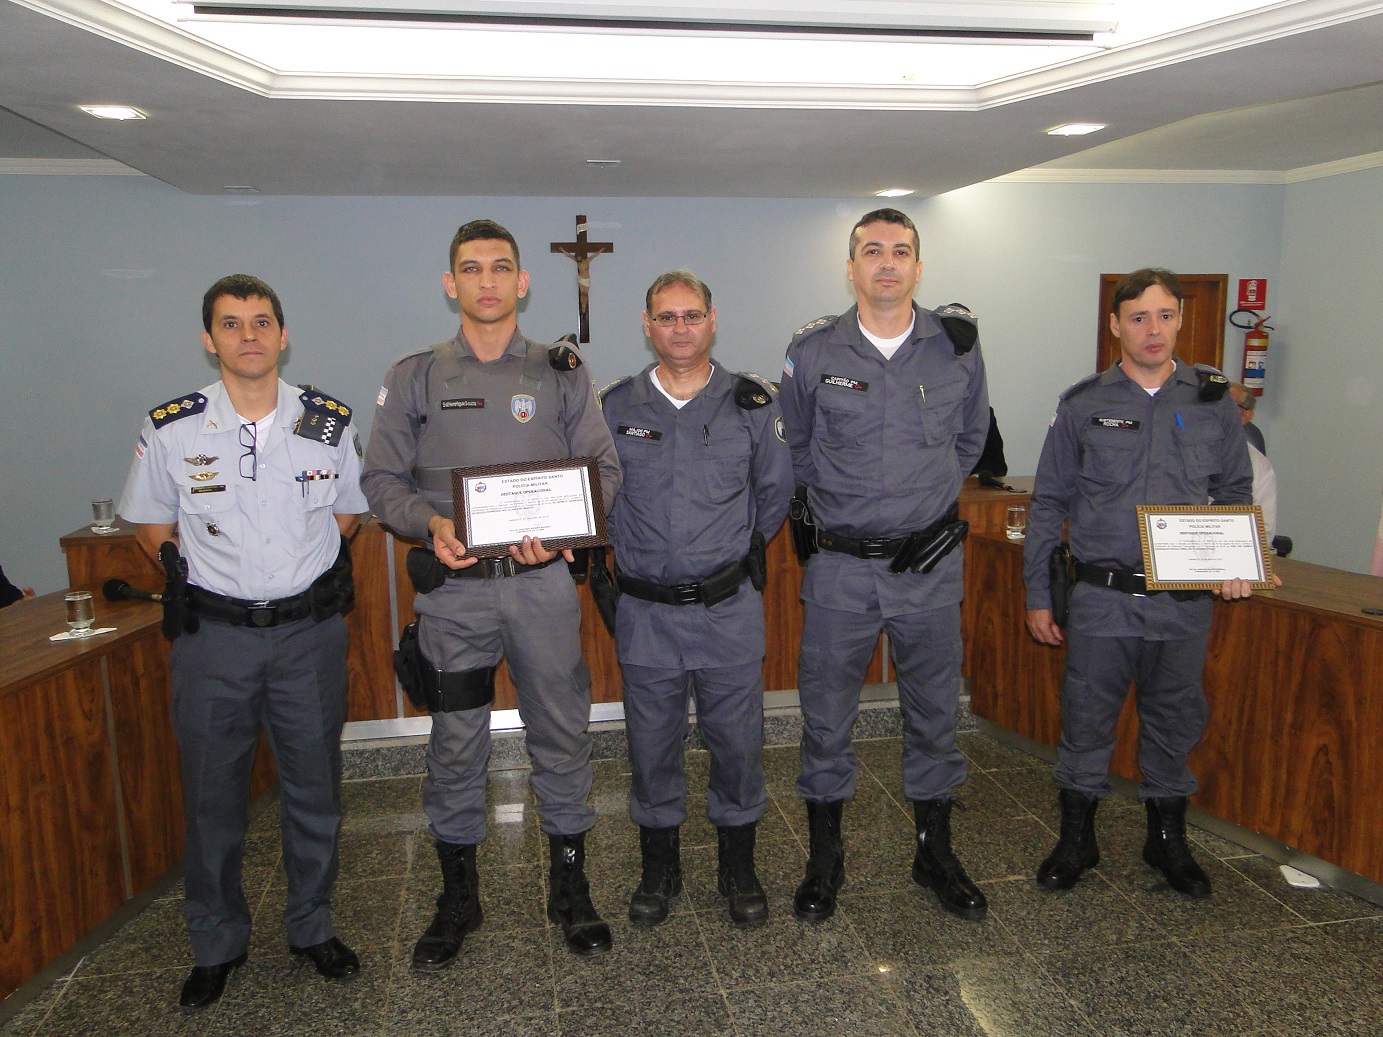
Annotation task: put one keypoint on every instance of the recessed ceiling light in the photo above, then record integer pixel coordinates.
(1075, 129)
(606, 163)
(121, 112)
(893, 192)
(240, 189)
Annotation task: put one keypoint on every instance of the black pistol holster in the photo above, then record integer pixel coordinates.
(178, 618)
(756, 562)
(430, 689)
(603, 588)
(802, 526)
(334, 590)
(1061, 568)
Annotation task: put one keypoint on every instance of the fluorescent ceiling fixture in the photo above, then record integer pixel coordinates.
(893, 192)
(1075, 129)
(119, 112)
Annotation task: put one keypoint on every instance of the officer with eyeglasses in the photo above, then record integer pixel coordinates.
(247, 492)
(707, 480)
(887, 411)
(490, 396)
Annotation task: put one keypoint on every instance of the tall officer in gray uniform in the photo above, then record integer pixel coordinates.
(707, 480)
(491, 396)
(257, 483)
(887, 411)
(1149, 430)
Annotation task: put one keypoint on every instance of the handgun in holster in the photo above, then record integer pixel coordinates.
(178, 618)
(802, 526)
(436, 692)
(1061, 571)
(603, 588)
(334, 590)
(756, 562)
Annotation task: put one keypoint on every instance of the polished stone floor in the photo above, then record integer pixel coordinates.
(1119, 955)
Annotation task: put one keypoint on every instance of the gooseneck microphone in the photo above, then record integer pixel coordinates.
(119, 590)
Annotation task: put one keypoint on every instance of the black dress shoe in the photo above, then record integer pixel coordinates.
(206, 983)
(333, 959)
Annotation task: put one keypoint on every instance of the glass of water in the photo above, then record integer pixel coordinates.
(1016, 522)
(102, 515)
(81, 612)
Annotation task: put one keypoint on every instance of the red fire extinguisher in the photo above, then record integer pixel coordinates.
(1255, 349)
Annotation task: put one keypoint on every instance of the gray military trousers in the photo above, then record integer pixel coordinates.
(228, 682)
(1172, 711)
(533, 622)
(836, 647)
(730, 716)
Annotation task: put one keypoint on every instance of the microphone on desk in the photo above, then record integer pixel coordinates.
(987, 479)
(120, 590)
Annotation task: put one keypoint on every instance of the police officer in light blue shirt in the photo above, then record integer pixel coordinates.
(257, 484)
(707, 480)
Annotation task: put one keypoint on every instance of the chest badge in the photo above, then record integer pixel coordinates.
(522, 407)
(203, 476)
(201, 460)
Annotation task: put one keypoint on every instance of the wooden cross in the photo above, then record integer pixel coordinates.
(583, 252)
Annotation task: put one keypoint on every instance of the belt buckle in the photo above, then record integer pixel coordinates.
(1144, 578)
(874, 548)
(686, 594)
(261, 614)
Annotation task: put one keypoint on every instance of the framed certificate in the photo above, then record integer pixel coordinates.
(1198, 547)
(557, 501)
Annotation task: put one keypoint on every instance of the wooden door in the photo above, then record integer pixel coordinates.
(1202, 337)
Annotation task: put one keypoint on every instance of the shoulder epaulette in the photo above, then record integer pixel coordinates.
(1213, 385)
(1088, 380)
(960, 326)
(613, 385)
(751, 394)
(324, 418)
(562, 356)
(807, 329)
(192, 403)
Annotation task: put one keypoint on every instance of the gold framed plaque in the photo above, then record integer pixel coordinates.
(1198, 547)
(557, 501)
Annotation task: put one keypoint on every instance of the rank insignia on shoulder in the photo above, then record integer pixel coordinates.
(960, 326)
(562, 356)
(1213, 385)
(820, 322)
(324, 418)
(192, 403)
(750, 394)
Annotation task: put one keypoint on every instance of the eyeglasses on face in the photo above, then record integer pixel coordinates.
(690, 319)
(252, 433)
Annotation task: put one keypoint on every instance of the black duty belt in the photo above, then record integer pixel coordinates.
(1128, 582)
(879, 547)
(240, 612)
(720, 585)
(496, 569)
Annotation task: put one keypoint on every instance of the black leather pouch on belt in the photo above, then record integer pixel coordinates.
(334, 590)
(757, 562)
(425, 572)
(1061, 573)
(434, 691)
(722, 585)
(923, 549)
(801, 526)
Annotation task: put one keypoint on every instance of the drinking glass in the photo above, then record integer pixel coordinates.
(81, 612)
(1016, 522)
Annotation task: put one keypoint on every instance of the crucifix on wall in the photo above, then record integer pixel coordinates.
(583, 252)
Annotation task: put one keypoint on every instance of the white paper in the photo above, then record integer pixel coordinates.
(503, 509)
(67, 635)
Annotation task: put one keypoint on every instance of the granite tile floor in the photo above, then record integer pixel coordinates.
(1119, 955)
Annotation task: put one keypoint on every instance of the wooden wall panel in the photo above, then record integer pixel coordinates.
(372, 636)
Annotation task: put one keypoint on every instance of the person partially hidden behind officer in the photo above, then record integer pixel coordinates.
(707, 480)
(490, 396)
(887, 412)
(1148, 430)
(247, 492)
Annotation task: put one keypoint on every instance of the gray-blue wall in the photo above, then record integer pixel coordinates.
(101, 280)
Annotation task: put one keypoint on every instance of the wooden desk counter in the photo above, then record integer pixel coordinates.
(1294, 679)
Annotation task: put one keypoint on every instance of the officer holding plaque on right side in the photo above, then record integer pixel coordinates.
(1148, 430)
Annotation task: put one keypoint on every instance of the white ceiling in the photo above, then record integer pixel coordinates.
(1266, 94)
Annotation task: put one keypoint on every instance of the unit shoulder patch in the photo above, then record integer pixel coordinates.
(324, 419)
(181, 407)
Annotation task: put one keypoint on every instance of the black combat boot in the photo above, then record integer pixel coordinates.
(569, 897)
(1076, 851)
(816, 896)
(1166, 848)
(936, 866)
(736, 881)
(458, 910)
(661, 849)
